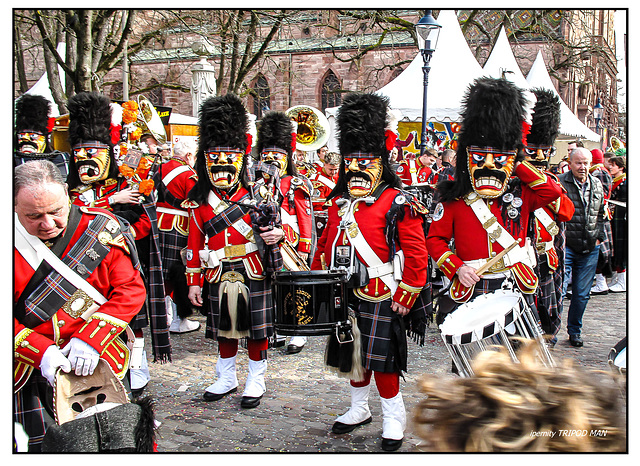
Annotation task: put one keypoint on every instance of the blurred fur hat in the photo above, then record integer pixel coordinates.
(223, 122)
(545, 123)
(362, 122)
(494, 111)
(32, 113)
(89, 118)
(276, 130)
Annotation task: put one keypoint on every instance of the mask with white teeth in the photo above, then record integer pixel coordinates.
(490, 170)
(224, 166)
(92, 160)
(277, 157)
(363, 174)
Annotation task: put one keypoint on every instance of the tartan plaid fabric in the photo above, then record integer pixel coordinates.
(260, 302)
(228, 217)
(155, 312)
(30, 412)
(171, 243)
(55, 290)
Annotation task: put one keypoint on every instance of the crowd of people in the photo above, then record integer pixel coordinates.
(128, 234)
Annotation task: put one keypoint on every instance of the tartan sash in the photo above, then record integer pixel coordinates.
(54, 290)
(227, 217)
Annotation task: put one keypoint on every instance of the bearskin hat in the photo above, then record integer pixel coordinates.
(362, 126)
(545, 119)
(32, 113)
(89, 118)
(362, 121)
(493, 114)
(223, 122)
(275, 130)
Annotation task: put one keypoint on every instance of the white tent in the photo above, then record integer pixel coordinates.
(453, 68)
(502, 62)
(570, 124)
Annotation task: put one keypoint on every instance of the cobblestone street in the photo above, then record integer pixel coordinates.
(303, 398)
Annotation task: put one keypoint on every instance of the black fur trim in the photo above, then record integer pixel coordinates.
(32, 112)
(546, 118)
(243, 321)
(89, 118)
(146, 430)
(225, 318)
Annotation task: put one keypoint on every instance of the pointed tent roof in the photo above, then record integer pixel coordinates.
(446, 86)
(570, 124)
(501, 59)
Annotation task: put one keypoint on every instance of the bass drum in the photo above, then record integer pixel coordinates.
(311, 302)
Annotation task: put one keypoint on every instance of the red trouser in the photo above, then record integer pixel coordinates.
(228, 348)
(388, 383)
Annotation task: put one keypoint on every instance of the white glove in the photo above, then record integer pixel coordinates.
(82, 356)
(51, 360)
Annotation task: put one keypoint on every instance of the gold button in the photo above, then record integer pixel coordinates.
(119, 366)
(102, 323)
(61, 323)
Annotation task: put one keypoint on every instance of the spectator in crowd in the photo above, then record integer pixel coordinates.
(584, 233)
(618, 206)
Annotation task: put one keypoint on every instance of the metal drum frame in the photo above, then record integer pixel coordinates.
(311, 303)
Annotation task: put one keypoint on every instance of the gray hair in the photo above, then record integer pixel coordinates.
(36, 173)
(581, 150)
(182, 148)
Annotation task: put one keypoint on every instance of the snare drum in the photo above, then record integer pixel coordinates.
(618, 356)
(489, 321)
(311, 302)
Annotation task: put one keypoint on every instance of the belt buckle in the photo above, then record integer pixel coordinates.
(77, 304)
(234, 250)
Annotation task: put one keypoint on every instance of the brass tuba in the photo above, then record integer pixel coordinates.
(149, 120)
(313, 127)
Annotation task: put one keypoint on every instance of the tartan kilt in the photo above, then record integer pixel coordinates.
(620, 239)
(171, 243)
(606, 250)
(33, 409)
(548, 295)
(375, 322)
(260, 302)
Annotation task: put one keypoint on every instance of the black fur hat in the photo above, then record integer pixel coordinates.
(89, 118)
(546, 118)
(275, 130)
(223, 122)
(32, 113)
(362, 121)
(493, 114)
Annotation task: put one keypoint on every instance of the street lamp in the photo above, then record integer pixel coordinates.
(428, 31)
(598, 112)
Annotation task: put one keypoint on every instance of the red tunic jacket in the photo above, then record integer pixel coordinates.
(179, 186)
(371, 220)
(115, 278)
(300, 236)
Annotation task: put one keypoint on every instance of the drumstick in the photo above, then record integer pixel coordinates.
(323, 262)
(495, 259)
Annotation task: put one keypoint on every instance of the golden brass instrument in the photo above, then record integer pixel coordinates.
(149, 120)
(292, 260)
(313, 127)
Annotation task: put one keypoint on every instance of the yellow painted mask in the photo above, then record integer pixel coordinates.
(363, 173)
(490, 170)
(92, 160)
(224, 166)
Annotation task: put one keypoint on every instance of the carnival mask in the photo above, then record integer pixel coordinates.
(92, 161)
(363, 173)
(31, 142)
(490, 170)
(224, 166)
(277, 157)
(539, 155)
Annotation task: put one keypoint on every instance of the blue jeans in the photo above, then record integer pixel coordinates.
(581, 269)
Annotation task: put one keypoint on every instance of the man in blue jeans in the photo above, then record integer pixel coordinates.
(584, 232)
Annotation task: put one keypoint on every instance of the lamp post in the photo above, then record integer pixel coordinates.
(428, 31)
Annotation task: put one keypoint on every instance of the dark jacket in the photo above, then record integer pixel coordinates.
(586, 226)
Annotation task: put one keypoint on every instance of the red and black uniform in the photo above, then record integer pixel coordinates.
(296, 213)
(619, 223)
(231, 249)
(376, 320)
(44, 314)
(173, 180)
(473, 246)
(411, 172)
(323, 184)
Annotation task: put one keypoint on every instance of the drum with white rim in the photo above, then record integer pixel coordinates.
(618, 356)
(489, 321)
